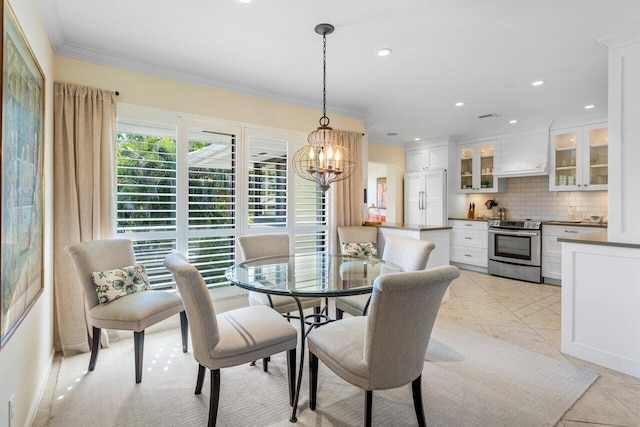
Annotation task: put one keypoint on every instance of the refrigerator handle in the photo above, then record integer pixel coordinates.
(422, 199)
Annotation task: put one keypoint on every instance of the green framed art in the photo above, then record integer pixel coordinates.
(21, 167)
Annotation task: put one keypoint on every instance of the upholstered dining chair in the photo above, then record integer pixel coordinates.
(231, 338)
(408, 254)
(132, 312)
(385, 349)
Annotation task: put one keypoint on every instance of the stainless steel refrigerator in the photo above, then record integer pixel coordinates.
(425, 198)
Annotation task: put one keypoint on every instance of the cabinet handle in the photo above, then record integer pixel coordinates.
(570, 231)
(469, 238)
(468, 225)
(579, 185)
(586, 185)
(467, 255)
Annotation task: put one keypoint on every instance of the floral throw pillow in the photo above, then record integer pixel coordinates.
(369, 249)
(120, 282)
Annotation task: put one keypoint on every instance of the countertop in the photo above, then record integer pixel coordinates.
(577, 224)
(414, 227)
(598, 238)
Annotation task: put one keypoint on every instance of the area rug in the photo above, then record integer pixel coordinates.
(469, 379)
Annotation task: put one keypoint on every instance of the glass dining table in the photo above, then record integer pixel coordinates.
(309, 275)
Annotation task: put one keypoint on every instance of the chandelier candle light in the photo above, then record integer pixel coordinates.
(324, 159)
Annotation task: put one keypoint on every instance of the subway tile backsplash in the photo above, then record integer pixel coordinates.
(529, 197)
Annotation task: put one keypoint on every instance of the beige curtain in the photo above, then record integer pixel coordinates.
(84, 129)
(349, 194)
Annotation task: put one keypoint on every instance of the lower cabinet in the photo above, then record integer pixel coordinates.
(469, 242)
(552, 249)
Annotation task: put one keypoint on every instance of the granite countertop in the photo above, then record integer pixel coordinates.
(416, 227)
(578, 224)
(598, 238)
(468, 219)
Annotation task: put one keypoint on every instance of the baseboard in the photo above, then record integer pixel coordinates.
(35, 404)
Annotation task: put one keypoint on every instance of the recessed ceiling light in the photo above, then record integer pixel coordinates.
(416, 139)
(537, 83)
(588, 107)
(513, 122)
(384, 52)
(245, 1)
(459, 104)
(392, 134)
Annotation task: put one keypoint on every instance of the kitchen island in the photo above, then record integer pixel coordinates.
(601, 301)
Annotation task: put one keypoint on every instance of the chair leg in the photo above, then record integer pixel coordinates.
(200, 379)
(184, 328)
(95, 348)
(339, 314)
(138, 350)
(313, 381)
(265, 363)
(215, 397)
(291, 373)
(368, 404)
(416, 385)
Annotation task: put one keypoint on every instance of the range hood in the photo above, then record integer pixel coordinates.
(537, 170)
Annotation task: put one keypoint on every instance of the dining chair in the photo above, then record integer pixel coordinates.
(132, 312)
(408, 254)
(385, 349)
(232, 338)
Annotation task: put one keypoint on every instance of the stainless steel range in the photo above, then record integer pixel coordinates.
(515, 249)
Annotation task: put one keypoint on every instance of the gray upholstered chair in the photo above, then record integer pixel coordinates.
(134, 312)
(231, 338)
(262, 245)
(386, 348)
(408, 254)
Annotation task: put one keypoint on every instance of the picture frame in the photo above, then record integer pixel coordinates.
(381, 193)
(21, 177)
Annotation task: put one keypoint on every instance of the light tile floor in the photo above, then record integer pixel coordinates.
(528, 315)
(524, 314)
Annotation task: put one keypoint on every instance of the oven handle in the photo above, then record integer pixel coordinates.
(514, 233)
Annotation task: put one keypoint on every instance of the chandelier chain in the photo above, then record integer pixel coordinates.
(324, 120)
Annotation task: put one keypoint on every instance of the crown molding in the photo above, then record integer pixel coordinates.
(619, 37)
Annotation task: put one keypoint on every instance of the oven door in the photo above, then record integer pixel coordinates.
(515, 246)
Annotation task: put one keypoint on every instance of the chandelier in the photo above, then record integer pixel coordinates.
(324, 159)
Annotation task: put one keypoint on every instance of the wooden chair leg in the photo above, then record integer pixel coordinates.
(95, 348)
(200, 380)
(339, 314)
(291, 373)
(138, 350)
(215, 397)
(184, 328)
(416, 386)
(313, 380)
(368, 410)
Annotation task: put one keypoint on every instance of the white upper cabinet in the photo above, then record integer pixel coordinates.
(579, 158)
(476, 164)
(524, 154)
(427, 158)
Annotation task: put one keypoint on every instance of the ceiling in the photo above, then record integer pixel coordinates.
(484, 53)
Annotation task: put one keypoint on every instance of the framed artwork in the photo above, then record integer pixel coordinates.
(22, 111)
(381, 191)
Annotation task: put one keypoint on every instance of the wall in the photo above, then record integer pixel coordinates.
(156, 92)
(529, 197)
(25, 359)
(394, 155)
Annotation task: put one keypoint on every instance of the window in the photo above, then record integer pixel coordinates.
(193, 185)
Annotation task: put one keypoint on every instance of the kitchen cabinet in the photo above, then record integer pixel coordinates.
(552, 249)
(427, 158)
(469, 243)
(580, 158)
(476, 167)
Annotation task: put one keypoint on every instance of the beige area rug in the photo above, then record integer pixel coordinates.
(469, 379)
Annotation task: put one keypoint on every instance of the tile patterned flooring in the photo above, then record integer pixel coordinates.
(527, 315)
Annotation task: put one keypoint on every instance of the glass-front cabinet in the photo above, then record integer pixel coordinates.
(476, 163)
(580, 158)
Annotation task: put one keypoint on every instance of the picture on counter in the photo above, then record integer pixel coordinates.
(22, 177)
(381, 186)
